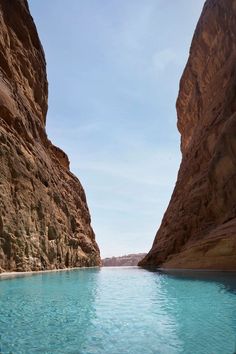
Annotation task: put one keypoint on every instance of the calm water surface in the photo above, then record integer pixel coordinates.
(118, 311)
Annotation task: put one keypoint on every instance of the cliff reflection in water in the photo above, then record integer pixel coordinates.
(118, 310)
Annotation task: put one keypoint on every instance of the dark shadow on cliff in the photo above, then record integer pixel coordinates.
(226, 279)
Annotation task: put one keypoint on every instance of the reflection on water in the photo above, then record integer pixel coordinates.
(206, 309)
(119, 311)
(226, 279)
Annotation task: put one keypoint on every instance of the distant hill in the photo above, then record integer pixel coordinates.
(128, 260)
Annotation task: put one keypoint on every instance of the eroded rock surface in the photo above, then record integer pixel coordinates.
(199, 227)
(44, 218)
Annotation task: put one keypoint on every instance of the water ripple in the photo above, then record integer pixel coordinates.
(117, 311)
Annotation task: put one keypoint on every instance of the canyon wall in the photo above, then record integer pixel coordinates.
(199, 227)
(44, 218)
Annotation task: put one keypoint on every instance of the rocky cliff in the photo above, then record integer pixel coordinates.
(123, 261)
(199, 227)
(44, 218)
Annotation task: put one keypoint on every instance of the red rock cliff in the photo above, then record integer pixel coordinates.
(199, 227)
(44, 218)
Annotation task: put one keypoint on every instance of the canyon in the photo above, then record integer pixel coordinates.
(198, 230)
(45, 222)
(44, 218)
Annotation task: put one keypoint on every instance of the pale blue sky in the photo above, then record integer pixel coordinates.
(113, 69)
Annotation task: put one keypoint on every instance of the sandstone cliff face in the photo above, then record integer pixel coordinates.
(44, 218)
(199, 227)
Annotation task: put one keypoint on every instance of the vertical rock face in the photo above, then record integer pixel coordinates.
(199, 227)
(44, 218)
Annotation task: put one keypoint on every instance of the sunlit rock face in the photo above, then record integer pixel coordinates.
(199, 227)
(44, 218)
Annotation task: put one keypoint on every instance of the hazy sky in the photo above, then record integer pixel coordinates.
(113, 69)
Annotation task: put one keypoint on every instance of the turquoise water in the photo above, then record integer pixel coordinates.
(118, 311)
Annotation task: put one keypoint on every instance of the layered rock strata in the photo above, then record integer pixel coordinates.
(199, 227)
(44, 218)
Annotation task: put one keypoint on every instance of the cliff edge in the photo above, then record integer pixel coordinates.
(44, 218)
(199, 227)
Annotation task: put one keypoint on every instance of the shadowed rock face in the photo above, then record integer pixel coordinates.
(199, 227)
(44, 218)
